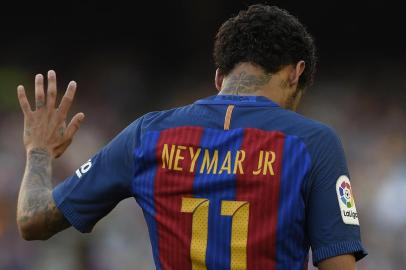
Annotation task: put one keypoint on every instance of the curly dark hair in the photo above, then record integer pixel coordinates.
(266, 36)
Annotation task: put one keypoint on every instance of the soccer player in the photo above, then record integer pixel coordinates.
(233, 181)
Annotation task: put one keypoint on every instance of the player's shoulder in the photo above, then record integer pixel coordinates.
(188, 115)
(311, 131)
(149, 121)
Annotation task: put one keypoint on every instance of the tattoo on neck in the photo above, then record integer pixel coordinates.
(244, 83)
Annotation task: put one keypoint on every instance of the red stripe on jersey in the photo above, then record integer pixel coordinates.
(262, 193)
(174, 228)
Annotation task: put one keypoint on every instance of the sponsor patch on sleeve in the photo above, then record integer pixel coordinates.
(346, 201)
(84, 169)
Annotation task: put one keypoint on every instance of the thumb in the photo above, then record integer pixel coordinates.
(74, 125)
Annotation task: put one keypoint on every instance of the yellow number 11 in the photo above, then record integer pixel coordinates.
(239, 210)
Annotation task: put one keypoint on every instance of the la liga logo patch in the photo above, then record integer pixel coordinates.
(346, 201)
(346, 194)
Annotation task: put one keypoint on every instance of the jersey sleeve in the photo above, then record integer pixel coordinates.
(101, 183)
(332, 218)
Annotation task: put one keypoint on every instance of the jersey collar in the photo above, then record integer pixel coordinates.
(252, 101)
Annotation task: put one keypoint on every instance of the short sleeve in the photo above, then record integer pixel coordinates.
(332, 218)
(100, 183)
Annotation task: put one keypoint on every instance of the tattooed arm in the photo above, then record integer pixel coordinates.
(46, 137)
(38, 217)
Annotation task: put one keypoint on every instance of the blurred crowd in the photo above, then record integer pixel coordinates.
(367, 112)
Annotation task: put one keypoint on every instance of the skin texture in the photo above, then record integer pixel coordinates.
(245, 83)
(46, 137)
(248, 79)
(343, 262)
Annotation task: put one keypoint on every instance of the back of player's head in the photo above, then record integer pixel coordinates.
(266, 36)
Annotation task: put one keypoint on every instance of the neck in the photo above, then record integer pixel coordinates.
(248, 80)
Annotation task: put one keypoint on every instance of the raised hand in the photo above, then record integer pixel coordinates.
(45, 127)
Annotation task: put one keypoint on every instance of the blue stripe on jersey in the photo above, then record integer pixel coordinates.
(223, 188)
(143, 186)
(291, 213)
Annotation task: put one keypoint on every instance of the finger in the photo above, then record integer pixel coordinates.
(39, 92)
(61, 149)
(22, 98)
(74, 125)
(51, 92)
(67, 100)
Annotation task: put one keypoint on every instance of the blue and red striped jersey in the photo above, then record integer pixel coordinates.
(229, 182)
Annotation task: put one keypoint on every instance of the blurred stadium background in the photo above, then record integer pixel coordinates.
(129, 60)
